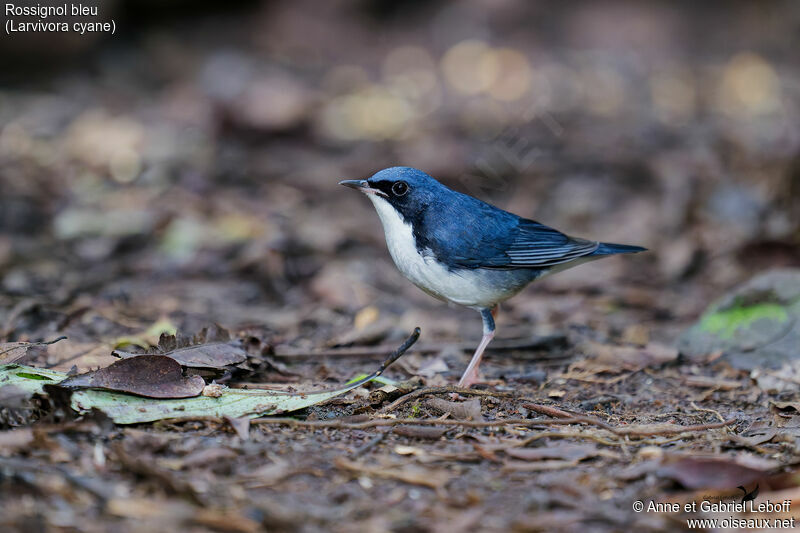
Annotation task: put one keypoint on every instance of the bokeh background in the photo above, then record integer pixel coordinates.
(183, 172)
(186, 167)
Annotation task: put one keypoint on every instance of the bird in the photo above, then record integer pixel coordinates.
(460, 249)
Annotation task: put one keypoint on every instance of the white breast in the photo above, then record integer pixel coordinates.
(465, 287)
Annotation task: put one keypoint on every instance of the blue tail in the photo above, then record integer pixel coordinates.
(607, 248)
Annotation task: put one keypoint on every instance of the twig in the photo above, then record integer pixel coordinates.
(566, 435)
(358, 452)
(631, 431)
(394, 356)
(547, 410)
(558, 413)
(440, 390)
(705, 410)
(672, 430)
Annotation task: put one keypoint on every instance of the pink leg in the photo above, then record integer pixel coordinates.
(470, 376)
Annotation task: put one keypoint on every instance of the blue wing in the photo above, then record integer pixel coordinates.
(529, 244)
(483, 236)
(535, 245)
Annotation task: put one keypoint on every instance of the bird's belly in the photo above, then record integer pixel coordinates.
(470, 287)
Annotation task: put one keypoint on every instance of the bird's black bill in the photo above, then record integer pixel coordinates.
(355, 184)
(363, 186)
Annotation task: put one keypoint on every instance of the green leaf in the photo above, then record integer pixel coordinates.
(235, 403)
(129, 409)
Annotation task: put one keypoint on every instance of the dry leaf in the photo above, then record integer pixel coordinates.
(469, 410)
(632, 358)
(152, 376)
(570, 452)
(215, 355)
(704, 472)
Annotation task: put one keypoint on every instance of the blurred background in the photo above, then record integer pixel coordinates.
(186, 167)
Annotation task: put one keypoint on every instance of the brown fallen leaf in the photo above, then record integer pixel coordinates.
(240, 425)
(713, 382)
(705, 472)
(524, 466)
(758, 437)
(630, 357)
(216, 355)
(13, 352)
(785, 407)
(469, 410)
(564, 451)
(152, 376)
(420, 432)
(786, 378)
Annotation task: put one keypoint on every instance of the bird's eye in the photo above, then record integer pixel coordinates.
(400, 188)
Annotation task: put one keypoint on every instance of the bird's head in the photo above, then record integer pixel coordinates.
(408, 190)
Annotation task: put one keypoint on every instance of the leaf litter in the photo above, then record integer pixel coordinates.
(239, 222)
(157, 390)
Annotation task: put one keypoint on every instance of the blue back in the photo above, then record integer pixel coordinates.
(464, 232)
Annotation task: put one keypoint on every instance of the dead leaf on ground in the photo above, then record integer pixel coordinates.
(420, 432)
(215, 355)
(785, 407)
(786, 378)
(631, 357)
(713, 382)
(565, 451)
(469, 410)
(757, 439)
(704, 472)
(151, 376)
(135, 407)
(539, 466)
(240, 425)
(12, 352)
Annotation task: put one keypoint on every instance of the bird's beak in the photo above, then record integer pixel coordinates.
(361, 185)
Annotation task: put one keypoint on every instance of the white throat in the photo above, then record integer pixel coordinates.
(399, 237)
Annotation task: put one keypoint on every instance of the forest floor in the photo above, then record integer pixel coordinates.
(142, 195)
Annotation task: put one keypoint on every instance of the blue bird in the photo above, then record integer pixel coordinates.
(462, 250)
